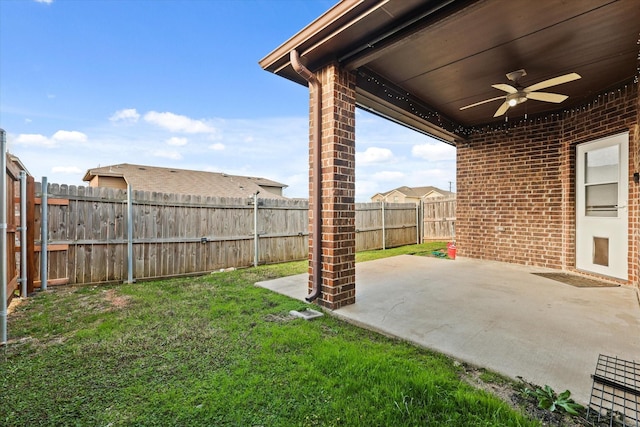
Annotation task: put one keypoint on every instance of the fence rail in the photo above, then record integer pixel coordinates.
(173, 235)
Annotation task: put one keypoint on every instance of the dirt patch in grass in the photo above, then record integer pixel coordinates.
(15, 302)
(116, 301)
(279, 318)
(512, 392)
(111, 300)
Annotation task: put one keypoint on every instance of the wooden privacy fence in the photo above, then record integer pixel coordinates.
(439, 216)
(20, 230)
(172, 234)
(386, 225)
(12, 264)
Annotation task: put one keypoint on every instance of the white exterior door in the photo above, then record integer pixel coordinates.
(602, 191)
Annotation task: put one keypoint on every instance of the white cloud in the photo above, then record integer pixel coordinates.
(128, 115)
(44, 1)
(66, 169)
(34, 139)
(373, 155)
(70, 136)
(167, 154)
(178, 123)
(177, 141)
(388, 176)
(434, 151)
(217, 146)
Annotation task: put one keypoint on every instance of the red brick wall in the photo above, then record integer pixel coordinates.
(516, 189)
(338, 188)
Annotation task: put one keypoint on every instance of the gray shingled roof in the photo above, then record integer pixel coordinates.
(183, 181)
(417, 191)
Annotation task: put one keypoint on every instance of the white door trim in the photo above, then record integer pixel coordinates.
(609, 228)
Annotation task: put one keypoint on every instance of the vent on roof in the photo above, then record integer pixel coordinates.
(173, 171)
(143, 169)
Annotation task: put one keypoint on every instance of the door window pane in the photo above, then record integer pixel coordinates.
(602, 200)
(601, 165)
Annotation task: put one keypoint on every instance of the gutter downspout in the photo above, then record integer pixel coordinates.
(314, 84)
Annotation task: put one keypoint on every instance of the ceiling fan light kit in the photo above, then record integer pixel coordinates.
(516, 94)
(514, 99)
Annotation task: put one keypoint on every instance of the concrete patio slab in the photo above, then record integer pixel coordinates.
(495, 315)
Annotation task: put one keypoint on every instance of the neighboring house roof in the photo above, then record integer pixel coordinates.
(417, 192)
(184, 181)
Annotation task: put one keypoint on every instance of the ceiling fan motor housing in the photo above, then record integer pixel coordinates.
(514, 99)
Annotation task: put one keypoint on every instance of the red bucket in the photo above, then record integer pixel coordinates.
(451, 250)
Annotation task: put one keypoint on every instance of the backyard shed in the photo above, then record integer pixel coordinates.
(553, 181)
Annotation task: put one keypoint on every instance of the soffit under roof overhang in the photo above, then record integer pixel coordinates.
(418, 61)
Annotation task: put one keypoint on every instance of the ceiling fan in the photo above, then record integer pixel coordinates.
(516, 94)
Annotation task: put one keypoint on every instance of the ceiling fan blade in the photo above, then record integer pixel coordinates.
(553, 82)
(482, 102)
(503, 109)
(505, 87)
(547, 97)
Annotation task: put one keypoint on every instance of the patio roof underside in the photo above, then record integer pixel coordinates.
(418, 62)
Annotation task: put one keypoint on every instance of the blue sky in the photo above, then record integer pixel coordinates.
(176, 83)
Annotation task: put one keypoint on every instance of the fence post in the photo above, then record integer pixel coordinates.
(44, 233)
(3, 238)
(384, 235)
(418, 222)
(129, 234)
(23, 234)
(31, 234)
(255, 229)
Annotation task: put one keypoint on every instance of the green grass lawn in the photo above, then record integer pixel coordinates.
(216, 350)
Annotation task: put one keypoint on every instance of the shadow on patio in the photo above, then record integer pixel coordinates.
(495, 315)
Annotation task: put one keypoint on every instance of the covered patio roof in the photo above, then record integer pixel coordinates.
(418, 62)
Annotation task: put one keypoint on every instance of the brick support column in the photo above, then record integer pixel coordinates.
(338, 188)
(634, 197)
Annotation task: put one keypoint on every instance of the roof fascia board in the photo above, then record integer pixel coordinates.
(279, 58)
(342, 28)
(393, 37)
